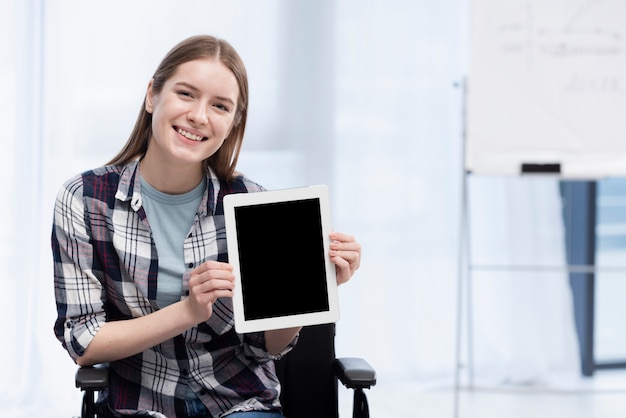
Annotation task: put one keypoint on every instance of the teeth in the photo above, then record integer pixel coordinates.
(189, 135)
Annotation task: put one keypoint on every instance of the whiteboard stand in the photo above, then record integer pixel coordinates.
(464, 282)
(463, 297)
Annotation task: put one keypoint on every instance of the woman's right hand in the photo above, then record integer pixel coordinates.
(207, 282)
(120, 339)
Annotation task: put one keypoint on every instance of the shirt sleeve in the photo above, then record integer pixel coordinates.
(254, 346)
(80, 296)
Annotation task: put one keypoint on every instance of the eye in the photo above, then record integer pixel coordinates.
(184, 93)
(222, 107)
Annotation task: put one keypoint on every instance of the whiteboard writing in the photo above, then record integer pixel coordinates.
(547, 84)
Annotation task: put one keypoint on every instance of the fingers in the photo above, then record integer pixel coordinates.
(213, 279)
(346, 247)
(211, 265)
(214, 288)
(345, 252)
(341, 237)
(208, 282)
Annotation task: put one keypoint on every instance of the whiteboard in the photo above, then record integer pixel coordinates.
(546, 85)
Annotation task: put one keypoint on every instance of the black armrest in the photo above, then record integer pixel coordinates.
(95, 377)
(354, 372)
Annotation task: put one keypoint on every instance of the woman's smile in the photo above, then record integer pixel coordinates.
(190, 135)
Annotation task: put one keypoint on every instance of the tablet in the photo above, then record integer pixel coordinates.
(278, 243)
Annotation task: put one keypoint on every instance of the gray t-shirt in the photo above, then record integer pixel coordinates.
(170, 217)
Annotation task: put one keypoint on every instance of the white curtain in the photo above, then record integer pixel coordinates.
(521, 306)
(362, 95)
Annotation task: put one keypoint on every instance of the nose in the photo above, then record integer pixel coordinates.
(198, 114)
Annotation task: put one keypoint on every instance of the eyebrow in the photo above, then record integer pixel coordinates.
(194, 88)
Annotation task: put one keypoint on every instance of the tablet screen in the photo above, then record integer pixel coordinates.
(281, 258)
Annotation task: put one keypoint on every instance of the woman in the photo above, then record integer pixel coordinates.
(141, 273)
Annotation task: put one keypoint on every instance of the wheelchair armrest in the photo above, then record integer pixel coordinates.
(96, 377)
(354, 372)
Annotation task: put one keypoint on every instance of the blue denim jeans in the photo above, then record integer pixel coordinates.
(194, 408)
(256, 414)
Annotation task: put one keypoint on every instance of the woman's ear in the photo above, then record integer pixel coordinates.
(150, 97)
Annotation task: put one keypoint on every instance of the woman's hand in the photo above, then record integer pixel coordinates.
(345, 252)
(120, 339)
(209, 281)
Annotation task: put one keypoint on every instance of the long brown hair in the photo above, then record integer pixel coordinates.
(224, 160)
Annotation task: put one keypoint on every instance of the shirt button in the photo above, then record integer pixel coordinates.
(202, 392)
(190, 265)
(185, 372)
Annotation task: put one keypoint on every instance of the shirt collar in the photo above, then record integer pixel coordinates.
(129, 188)
(209, 200)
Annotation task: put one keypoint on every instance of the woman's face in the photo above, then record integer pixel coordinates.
(194, 112)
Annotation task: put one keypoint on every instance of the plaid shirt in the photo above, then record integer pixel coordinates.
(105, 269)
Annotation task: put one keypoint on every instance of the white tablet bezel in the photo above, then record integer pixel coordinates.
(231, 202)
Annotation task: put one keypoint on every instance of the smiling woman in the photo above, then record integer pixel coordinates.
(139, 245)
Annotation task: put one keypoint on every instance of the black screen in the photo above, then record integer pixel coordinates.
(281, 259)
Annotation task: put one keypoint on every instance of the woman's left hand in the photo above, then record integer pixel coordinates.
(345, 252)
